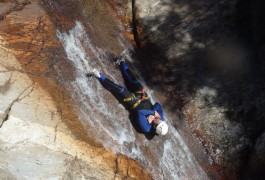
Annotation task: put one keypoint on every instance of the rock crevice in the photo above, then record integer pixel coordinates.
(18, 99)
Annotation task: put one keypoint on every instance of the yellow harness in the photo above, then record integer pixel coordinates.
(143, 97)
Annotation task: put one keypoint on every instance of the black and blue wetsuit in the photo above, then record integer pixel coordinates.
(134, 98)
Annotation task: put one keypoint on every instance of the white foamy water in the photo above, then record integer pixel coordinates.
(167, 157)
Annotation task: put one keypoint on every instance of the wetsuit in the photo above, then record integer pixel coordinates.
(133, 97)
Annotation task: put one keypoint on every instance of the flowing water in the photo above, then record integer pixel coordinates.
(107, 121)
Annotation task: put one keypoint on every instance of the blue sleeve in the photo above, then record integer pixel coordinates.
(158, 108)
(142, 120)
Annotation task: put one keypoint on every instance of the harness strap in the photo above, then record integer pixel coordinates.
(138, 101)
(140, 92)
(129, 99)
(145, 98)
(136, 104)
(143, 94)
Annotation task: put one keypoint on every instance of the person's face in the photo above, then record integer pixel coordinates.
(156, 121)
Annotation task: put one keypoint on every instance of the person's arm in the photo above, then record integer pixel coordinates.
(158, 108)
(142, 120)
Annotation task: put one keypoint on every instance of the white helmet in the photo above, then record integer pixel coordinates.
(162, 128)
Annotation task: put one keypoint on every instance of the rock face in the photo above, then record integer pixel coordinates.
(104, 118)
(40, 134)
(194, 54)
(203, 52)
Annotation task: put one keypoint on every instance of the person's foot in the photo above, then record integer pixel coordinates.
(96, 73)
(119, 60)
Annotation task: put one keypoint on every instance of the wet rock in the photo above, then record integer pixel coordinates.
(40, 134)
(210, 56)
(35, 142)
(224, 140)
(100, 112)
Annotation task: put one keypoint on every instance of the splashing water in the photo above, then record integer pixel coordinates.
(167, 157)
(95, 109)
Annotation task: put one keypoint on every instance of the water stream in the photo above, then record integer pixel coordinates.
(107, 121)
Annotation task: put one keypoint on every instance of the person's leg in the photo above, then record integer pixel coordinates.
(124, 96)
(130, 80)
(110, 85)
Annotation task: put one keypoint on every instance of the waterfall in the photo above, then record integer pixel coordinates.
(167, 157)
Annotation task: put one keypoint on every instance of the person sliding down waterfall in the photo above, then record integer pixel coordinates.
(148, 116)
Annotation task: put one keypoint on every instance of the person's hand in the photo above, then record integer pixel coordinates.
(150, 118)
(157, 115)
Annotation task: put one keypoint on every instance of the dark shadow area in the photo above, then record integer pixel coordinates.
(135, 24)
(214, 44)
(251, 25)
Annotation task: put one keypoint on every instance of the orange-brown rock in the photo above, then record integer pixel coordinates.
(40, 134)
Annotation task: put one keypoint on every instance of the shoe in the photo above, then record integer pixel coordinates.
(119, 60)
(96, 73)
